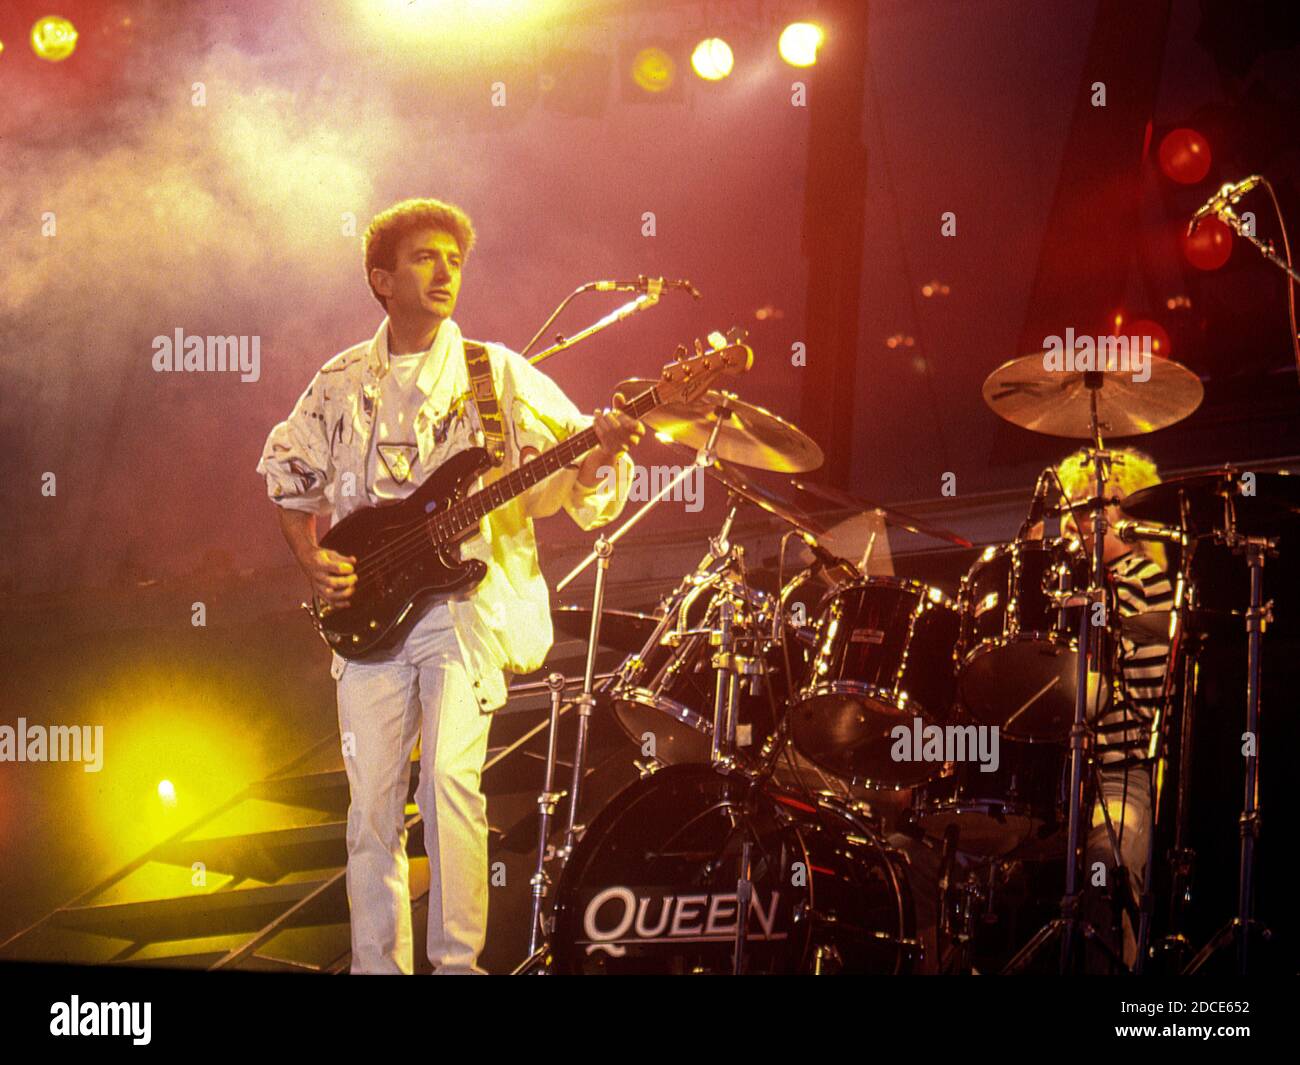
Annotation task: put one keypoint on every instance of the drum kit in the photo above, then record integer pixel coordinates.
(724, 858)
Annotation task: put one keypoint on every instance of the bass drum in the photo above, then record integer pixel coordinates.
(651, 887)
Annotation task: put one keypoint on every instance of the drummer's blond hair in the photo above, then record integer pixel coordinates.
(1134, 471)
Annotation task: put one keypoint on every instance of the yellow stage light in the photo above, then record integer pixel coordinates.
(167, 792)
(653, 69)
(712, 59)
(799, 43)
(53, 38)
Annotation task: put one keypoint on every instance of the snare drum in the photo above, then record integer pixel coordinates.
(1017, 809)
(1017, 652)
(882, 657)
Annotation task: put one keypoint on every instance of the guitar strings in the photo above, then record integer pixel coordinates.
(423, 533)
(399, 549)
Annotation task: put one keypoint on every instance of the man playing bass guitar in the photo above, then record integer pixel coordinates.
(375, 421)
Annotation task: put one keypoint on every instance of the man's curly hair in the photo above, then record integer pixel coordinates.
(1135, 470)
(388, 227)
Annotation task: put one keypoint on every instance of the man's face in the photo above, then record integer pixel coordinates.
(425, 282)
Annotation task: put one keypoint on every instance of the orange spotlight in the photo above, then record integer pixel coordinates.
(653, 69)
(53, 38)
(799, 43)
(712, 59)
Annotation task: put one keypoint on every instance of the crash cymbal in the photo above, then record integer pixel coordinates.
(747, 489)
(1026, 393)
(1261, 501)
(750, 435)
(891, 515)
(622, 630)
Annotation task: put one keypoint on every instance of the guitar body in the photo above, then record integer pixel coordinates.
(408, 552)
(401, 566)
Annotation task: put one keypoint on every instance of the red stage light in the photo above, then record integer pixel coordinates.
(1160, 344)
(1184, 156)
(1210, 246)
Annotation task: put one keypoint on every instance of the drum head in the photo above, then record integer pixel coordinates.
(652, 887)
(665, 695)
(1025, 685)
(883, 657)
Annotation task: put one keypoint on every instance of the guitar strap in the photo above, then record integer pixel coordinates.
(483, 389)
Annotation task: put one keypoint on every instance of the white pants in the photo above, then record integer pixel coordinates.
(1127, 795)
(421, 689)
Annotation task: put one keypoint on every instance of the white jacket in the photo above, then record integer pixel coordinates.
(316, 461)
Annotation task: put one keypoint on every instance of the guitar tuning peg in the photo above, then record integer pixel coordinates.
(680, 353)
(717, 340)
(699, 346)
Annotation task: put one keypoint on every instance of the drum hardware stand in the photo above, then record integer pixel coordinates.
(1258, 615)
(602, 552)
(1188, 645)
(961, 940)
(1070, 925)
(547, 801)
(744, 898)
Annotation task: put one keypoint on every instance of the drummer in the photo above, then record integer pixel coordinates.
(1140, 583)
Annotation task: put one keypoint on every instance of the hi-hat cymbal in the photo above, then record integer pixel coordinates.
(1058, 402)
(1260, 503)
(749, 435)
(1149, 628)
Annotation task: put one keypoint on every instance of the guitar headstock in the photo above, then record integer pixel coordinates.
(689, 376)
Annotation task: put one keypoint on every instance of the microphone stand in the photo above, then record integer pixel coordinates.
(652, 287)
(539, 938)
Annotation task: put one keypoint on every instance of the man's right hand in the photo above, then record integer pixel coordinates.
(333, 576)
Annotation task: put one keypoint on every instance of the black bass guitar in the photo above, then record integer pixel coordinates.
(408, 552)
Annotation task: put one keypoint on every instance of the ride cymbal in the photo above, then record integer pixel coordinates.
(1027, 393)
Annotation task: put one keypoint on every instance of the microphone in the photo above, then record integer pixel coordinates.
(643, 284)
(1227, 196)
(1133, 531)
(1037, 506)
(827, 560)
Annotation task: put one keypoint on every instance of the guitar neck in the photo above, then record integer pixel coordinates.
(465, 515)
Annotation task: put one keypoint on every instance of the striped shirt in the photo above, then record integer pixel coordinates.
(1124, 728)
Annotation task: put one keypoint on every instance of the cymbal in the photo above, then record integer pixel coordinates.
(622, 630)
(1026, 393)
(750, 435)
(747, 489)
(858, 539)
(1273, 498)
(891, 515)
(1148, 628)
